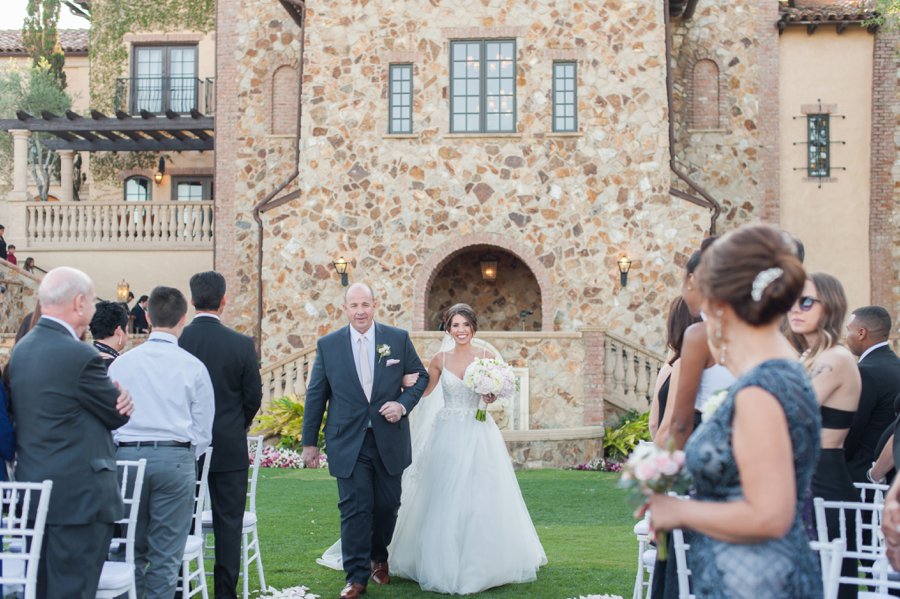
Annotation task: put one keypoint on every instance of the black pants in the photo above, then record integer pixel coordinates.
(227, 494)
(369, 500)
(72, 557)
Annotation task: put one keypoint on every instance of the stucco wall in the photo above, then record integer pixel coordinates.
(832, 219)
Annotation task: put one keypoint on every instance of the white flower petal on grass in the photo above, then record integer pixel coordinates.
(290, 593)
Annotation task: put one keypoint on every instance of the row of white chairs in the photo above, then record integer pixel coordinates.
(874, 571)
(22, 543)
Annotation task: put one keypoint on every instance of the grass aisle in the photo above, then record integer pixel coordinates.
(582, 519)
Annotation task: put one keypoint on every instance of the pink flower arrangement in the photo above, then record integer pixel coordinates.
(601, 465)
(651, 469)
(276, 457)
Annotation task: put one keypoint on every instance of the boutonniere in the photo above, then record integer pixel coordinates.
(712, 404)
(384, 350)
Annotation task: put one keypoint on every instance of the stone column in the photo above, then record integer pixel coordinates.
(20, 160)
(594, 339)
(66, 167)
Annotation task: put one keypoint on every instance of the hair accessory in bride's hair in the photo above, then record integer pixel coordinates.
(763, 280)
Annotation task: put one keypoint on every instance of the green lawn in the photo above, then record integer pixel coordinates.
(582, 519)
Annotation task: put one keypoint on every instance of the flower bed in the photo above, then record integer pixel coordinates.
(276, 457)
(601, 465)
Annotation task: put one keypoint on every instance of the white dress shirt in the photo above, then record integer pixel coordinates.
(370, 349)
(63, 323)
(871, 349)
(172, 394)
(207, 315)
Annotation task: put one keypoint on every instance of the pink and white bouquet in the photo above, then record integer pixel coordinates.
(651, 469)
(487, 376)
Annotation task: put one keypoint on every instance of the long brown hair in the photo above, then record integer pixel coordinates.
(679, 319)
(464, 310)
(834, 314)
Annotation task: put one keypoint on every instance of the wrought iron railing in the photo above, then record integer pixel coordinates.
(165, 94)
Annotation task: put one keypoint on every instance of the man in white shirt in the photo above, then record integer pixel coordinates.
(174, 394)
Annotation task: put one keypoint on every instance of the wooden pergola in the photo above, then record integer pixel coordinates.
(148, 132)
(72, 132)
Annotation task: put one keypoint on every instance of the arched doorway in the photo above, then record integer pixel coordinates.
(510, 302)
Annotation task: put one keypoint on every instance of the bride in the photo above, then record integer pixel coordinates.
(463, 526)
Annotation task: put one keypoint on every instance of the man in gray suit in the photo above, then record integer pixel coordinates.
(358, 376)
(64, 408)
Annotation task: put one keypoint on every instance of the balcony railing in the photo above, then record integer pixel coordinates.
(163, 94)
(159, 225)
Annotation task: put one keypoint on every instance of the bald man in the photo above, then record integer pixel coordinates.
(64, 408)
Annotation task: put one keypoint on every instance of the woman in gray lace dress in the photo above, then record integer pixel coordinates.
(753, 457)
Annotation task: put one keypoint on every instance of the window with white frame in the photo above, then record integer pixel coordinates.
(164, 78)
(192, 189)
(483, 86)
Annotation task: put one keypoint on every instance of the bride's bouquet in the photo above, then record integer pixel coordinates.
(487, 376)
(651, 469)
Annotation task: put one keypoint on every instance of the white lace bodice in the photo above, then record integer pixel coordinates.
(456, 395)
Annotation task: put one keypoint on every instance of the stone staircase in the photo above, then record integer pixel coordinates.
(18, 294)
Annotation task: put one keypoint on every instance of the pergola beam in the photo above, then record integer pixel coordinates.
(125, 145)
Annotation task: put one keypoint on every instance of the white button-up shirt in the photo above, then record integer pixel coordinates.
(172, 394)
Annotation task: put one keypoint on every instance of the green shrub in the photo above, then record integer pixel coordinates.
(284, 419)
(632, 428)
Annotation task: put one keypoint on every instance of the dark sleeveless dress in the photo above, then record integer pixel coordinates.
(774, 569)
(832, 482)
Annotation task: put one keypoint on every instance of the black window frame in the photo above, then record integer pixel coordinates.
(483, 92)
(207, 184)
(165, 87)
(573, 104)
(137, 178)
(400, 95)
(818, 145)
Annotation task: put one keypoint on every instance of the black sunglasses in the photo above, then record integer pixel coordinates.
(806, 303)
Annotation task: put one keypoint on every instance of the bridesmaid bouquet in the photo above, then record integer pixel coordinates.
(487, 376)
(651, 469)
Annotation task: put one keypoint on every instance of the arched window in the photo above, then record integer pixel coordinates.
(705, 90)
(284, 101)
(137, 189)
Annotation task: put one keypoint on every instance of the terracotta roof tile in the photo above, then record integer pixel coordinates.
(825, 12)
(73, 41)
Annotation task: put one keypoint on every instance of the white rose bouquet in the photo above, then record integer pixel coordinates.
(489, 377)
(650, 470)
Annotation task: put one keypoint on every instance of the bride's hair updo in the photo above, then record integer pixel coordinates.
(755, 270)
(464, 310)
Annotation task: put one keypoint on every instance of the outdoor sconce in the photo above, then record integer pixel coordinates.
(624, 264)
(122, 290)
(489, 267)
(160, 171)
(340, 267)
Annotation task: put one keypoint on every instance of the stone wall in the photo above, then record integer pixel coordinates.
(736, 161)
(575, 203)
(498, 303)
(18, 295)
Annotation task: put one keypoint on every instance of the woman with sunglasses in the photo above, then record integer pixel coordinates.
(816, 322)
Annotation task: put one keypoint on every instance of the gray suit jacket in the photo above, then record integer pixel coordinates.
(64, 407)
(334, 385)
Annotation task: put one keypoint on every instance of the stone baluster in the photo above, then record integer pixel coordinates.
(619, 371)
(628, 357)
(643, 377)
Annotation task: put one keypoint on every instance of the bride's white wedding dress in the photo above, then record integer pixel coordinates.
(463, 526)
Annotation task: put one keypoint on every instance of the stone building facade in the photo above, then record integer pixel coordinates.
(565, 206)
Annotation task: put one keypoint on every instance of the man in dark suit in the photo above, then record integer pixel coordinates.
(879, 369)
(358, 376)
(139, 313)
(233, 367)
(2, 243)
(64, 408)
